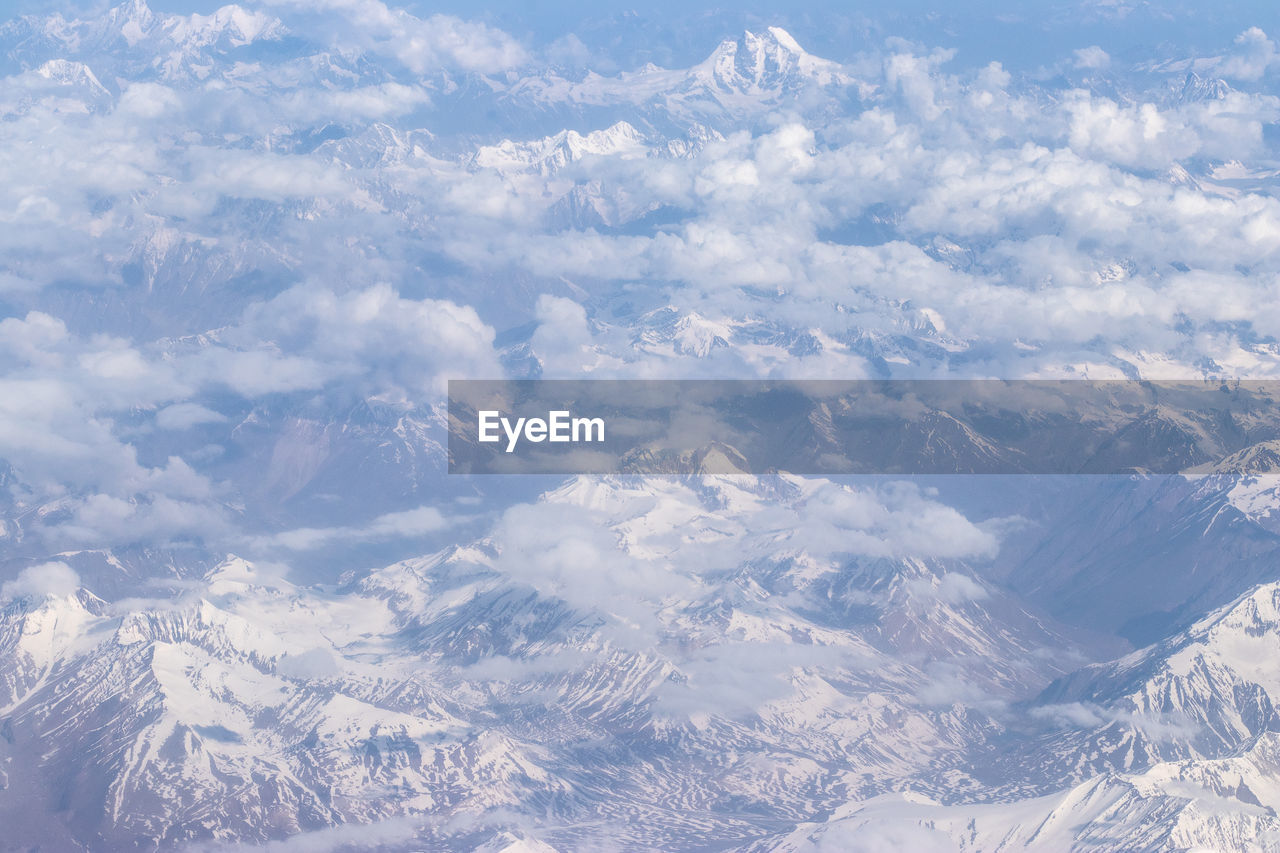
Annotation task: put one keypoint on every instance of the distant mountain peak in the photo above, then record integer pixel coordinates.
(769, 39)
(552, 153)
(783, 38)
(132, 19)
(1196, 88)
(132, 10)
(71, 73)
(239, 26)
(761, 61)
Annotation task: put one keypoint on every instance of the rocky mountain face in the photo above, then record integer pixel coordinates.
(737, 678)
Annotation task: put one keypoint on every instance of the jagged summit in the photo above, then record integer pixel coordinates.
(741, 76)
(116, 38)
(763, 61)
(1196, 88)
(132, 18)
(234, 25)
(553, 153)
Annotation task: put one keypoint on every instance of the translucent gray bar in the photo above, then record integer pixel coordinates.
(900, 427)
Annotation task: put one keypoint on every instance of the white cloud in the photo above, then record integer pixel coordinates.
(950, 588)
(575, 558)
(562, 339)
(310, 665)
(627, 550)
(185, 415)
(916, 78)
(36, 339)
(898, 520)
(394, 525)
(372, 335)
(737, 679)
(1088, 715)
(1140, 137)
(421, 44)
(1255, 56)
(1073, 243)
(383, 101)
(45, 579)
(1092, 57)
(446, 40)
(147, 100)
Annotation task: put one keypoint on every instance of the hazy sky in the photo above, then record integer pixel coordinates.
(1019, 34)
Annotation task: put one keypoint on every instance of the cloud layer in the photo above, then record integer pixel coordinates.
(288, 210)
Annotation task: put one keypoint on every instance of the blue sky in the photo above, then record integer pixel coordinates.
(1021, 35)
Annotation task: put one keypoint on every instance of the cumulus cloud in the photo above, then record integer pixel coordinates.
(1140, 137)
(45, 579)
(1254, 56)
(562, 340)
(1092, 57)
(35, 339)
(628, 551)
(389, 342)
(916, 77)
(422, 44)
(147, 100)
(284, 229)
(147, 516)
(898, 520)
(576, 558)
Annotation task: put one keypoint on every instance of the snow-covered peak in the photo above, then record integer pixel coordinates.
(237, 576)
(1224, 804)
(1200, 694)
(740, 77)
(552, 153)
(671, 330)
(132, 19)
(696, 335)
(37, 630)
(762, 62)
(234, 24)
(508, 842)
(1245, 635)
(72, 74)
(132, 41)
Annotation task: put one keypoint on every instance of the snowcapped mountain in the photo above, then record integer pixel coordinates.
(1203, 694)
(1183, 756)
(184, 706)
(769, 61)
(486, 678)
(244, 250)
(134, 39)
(1169, 549)
(434, 678)
(741, 77)
(552, 154)
(1218, 805)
